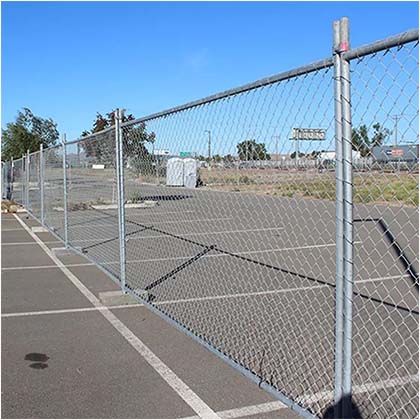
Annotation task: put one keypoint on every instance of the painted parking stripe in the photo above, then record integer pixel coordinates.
(180, 387)
(277, 405)
(176, 301)
(67, 311)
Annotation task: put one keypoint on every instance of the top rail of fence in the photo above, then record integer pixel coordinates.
(385, 44)
(318, 65)
(90, 136)
(393, 41)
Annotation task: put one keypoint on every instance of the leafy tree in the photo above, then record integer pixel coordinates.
(251, 150)
(28, 132)
(229, 158)
(102, 146)
(380, 134)
(293, 155)
(217, 158)
(361, 141)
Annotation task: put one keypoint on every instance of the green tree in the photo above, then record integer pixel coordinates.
(102, 146)
(28, 132)
(251, 150)
(217, 158)
(229, 158)
(361, 141)
(293, 155)
(380, 134)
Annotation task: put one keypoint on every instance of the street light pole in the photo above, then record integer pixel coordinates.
(396, 118)
(209, 145)
(277, 147)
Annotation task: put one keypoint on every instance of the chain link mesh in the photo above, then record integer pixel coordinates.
(92, 199)
(34, 203)
(18, 169)
(53, 190)
(245, 257)
(385, 322)
(6, 184)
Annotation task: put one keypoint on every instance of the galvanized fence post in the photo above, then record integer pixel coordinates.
(66, 237)
(22, 181)
(41, 180)
(27, 180)
(338, 362)
(119, 163)
(347, 220)
(12, 165)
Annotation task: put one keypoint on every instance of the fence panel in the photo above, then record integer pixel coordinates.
(17, 180)
(53, 189)
(384, 97)
(6, 185)
(243, 256)
(92, 199)
(34, 204)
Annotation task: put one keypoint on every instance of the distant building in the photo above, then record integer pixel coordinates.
(399, 153)
(280, 156)
(330, 155)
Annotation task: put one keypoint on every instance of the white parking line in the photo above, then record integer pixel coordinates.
(360, 389)
(269, 407)
(182, 258)
(67, 311)
(169, 222)
(251, 410)
(176, 301)
(44, 267)
(182, 389)
(142, 237)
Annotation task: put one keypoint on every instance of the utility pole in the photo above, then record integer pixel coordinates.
(277, 138)
(396, 118)
(209, 145)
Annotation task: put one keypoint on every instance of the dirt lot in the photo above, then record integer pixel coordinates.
(369, 187)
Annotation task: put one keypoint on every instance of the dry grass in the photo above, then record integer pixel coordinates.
(369, 188)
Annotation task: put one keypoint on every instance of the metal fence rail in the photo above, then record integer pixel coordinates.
(293, 259)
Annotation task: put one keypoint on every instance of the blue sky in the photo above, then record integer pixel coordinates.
(68, 60)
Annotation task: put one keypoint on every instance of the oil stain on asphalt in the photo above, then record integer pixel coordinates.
(39, 360)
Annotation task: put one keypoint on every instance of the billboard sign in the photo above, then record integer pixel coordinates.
(308, 134)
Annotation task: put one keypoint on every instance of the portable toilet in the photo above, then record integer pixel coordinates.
(175, 172)
(190, 172)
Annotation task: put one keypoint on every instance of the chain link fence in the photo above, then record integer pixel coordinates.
(6, 173)
(92, 200)
(384, 97)
(17, 180)
(53, 190)
(34, 190)
(275, 223)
